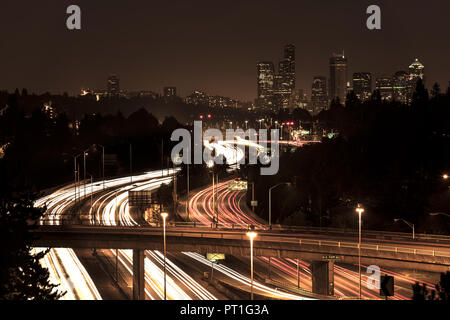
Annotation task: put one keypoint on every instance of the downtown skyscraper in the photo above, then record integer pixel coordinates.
(113, 85)
(319, 95)
(338, 77)
(362, 85)
(284, 84)
(276, 89)
(265, 83)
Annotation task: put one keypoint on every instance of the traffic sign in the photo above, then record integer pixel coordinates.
(254, 203)
(215, 256)
(331, 257)
(237, 185)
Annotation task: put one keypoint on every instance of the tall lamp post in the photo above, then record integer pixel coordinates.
(103, 164)
(360, 210)
(164, 216)
(211, 166)
(85, 153)
(187, 195)
(270, 201)
(76, 175)
(253, 196)
(252, 236)
(411, 225)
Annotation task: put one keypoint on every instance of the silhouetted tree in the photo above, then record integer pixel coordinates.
(420, 96)
(21, 275)
(436, 91)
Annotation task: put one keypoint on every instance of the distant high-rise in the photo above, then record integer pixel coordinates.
(400, 86)
(170, 92)
(338, 77)
(319, 96)
(384, 85)
(284, 84)
(287, 66)
(113, 86)
(362, 85)
(416, 72)
(265, 84)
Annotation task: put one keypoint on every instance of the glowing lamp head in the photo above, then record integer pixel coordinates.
(164, 215)
(252, 235)
(445, 176)
(359, 209)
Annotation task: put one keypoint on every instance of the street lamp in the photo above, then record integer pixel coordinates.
(270, 201)
(164, 216)
(252, 235)
(360, 210)
(210, 165)
(85, 153)
(103, 164)
(76, 174)
(445, 176)
(253, 196)
(411, 225)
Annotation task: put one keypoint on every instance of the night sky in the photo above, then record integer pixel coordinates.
(212, 45)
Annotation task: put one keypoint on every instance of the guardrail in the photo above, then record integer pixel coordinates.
(229, 234)
(67, 219)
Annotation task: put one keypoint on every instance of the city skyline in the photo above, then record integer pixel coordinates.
(222, 62)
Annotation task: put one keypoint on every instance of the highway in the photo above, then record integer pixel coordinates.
(107, 205)
(233, 214)
(110, 208)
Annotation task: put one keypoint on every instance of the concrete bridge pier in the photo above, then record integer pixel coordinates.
(322, 277)
(138, 274)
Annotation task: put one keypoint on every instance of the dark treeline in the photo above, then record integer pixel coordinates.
(389, 157)
(40, 143)
(76, 107)
(39, 148)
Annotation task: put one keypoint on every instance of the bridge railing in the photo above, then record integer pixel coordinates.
(175, 230)
(68, 219)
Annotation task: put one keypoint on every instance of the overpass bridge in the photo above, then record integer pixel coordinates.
(322, 252)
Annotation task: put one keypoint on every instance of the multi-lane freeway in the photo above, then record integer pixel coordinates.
(106, 204)
(231, 211)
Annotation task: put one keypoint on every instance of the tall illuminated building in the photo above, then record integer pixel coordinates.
(362, 85)
(400, 86)
(265, 84)
(416, 72)
(319, 96)
(284, 82)
(287, 67)
(170, 92)
(338, 77)
(113, 85)
(384, 85)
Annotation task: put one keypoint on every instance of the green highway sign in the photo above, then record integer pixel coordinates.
(215, 256)
(331, 257)
(237, 185)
